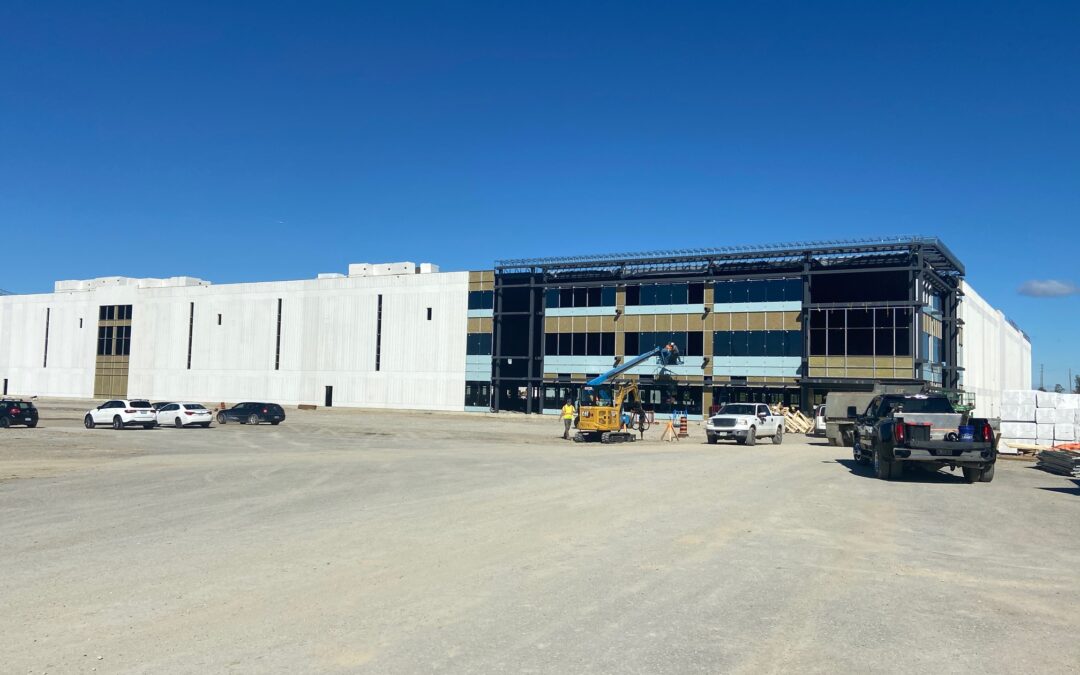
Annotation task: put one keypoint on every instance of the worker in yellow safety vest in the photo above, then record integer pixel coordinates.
(567, 418)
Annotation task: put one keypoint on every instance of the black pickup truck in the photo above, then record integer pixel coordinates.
(899, 428)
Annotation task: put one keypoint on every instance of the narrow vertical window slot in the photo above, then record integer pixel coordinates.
(190, 332)
(378, 335)
(277, 344)
(48, 317)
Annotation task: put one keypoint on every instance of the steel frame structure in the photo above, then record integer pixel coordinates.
(926, 260)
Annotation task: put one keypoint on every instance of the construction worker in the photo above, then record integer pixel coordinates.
(567, 418)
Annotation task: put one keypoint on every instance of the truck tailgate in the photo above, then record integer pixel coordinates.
(940, 423)
(949, 448)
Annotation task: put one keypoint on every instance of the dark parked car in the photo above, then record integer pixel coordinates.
(252, 413)
(14, 412)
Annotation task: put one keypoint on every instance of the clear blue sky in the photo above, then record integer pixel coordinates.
(275, 140)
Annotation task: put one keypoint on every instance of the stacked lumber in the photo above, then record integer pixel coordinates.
(1064, 462)
(794, 421)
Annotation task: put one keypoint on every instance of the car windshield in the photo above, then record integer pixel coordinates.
(920, 404)
(141, 404)
(738, 409)
(21, 405)
(194, 406)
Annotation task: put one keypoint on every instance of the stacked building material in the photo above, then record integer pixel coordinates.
(1065, 462)
(794, 421)
(1039, 418)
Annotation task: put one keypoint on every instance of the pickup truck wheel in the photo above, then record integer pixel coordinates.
(778, 437)
(712, 438)
(883, 468)
(751, 436)
(971, 474)
(987, 474)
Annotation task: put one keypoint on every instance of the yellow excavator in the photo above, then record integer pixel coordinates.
(601, 402)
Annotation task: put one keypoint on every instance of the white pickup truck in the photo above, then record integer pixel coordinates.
(745, 423)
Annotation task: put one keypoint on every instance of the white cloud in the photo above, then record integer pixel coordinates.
(1048, 288)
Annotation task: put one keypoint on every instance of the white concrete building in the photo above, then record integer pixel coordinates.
(401, 335)
(994, 353)
(388, 337)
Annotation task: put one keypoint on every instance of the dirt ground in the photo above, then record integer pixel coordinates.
(358, 541)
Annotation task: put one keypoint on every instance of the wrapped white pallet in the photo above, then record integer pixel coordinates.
(1064, 432)
(1069, 401)
(1065, 416)
(1046, 399)
(1046, 415)
(1045, 442)
(1018, 397)
(1018, 413)
(1019, 430)
(1044, 431)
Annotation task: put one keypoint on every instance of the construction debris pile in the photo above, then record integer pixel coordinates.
(1065, 462)
(1039, 418)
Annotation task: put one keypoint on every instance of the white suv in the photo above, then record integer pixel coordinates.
(745, 423)
(122, 414)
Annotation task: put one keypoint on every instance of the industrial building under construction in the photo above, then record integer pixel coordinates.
(783, 323)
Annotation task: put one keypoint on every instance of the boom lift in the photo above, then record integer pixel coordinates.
(600, 404)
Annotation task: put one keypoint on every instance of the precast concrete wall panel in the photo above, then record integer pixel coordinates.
(995, 354)
(70, 367)
(328, 338)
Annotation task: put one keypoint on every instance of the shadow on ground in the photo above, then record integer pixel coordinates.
(1074, 490)
(912, 474)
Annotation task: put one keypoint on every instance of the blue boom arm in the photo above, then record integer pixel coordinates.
(665, 357)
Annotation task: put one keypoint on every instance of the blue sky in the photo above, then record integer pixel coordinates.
(260, 141)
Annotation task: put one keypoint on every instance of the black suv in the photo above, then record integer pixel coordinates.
(252, 413)
(14, 412)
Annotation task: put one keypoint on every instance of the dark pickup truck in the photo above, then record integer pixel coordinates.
(899, 428)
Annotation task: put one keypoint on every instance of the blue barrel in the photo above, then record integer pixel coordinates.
(967, 432)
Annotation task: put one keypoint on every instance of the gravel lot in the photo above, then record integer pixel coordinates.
(348, 541)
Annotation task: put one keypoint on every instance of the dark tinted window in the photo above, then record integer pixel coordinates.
(695, 294)
(551, 297)
(481, 299)
(594, 296)
(737, 409)
(141, 404)
(758, 291)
